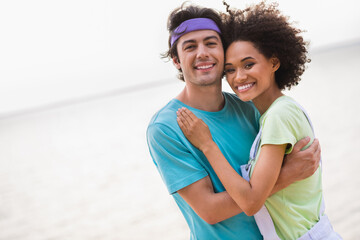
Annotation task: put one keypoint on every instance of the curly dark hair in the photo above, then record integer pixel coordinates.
(272, 35)
(183, 13)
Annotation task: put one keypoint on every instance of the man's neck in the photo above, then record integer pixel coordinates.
(206, 98)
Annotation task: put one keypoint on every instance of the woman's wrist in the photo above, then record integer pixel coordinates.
(206, 147)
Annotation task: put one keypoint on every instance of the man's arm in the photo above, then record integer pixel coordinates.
(299, 165)
(174, 162)
(210, 206)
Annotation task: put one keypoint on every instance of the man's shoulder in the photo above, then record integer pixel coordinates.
(166, 116)
(165, 113)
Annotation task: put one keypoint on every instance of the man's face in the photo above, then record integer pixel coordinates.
(201, 57)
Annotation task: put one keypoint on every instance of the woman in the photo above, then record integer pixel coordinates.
(264, 55)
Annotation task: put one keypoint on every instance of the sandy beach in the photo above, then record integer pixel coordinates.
(83, 171)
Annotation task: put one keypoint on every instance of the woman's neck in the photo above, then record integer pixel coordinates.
(264, 101)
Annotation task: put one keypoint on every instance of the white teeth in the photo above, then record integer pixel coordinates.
(245, 86)
(204, 67)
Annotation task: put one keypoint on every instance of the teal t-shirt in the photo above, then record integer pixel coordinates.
(295, 209)
(181, 164)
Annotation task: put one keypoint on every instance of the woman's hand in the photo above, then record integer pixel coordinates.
(194, 129)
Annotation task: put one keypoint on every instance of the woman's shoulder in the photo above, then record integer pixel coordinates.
(284, 106)
(285, 110)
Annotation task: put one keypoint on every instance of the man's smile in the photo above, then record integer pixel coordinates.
(207, 66)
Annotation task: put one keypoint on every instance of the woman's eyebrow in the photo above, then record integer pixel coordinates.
(242, 60)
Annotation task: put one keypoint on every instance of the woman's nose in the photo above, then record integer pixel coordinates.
(240, 76)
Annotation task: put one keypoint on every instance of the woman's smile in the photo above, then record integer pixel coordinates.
(245, 87)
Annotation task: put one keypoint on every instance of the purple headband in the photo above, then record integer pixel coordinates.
(193, 24)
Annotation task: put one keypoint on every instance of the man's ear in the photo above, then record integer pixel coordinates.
(275, 63)
(176, 62)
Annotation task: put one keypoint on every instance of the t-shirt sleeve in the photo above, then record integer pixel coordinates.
(278, 127)
(175, 163)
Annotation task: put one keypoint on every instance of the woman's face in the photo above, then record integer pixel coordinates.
(249, 73)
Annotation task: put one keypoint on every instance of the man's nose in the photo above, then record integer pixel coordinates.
(202, 51)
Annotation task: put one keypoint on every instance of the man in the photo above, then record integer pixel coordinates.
(195, 46)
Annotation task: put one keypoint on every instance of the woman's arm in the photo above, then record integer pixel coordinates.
(250, 196)
(210, 206)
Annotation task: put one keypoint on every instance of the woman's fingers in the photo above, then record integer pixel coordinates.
(185, 117)
(182, 121)
(189, 122)
(190, 114)
(186, 114)
(181, 124)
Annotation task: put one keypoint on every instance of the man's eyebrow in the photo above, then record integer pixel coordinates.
(188, 41)
(211, 37)
(205, 39)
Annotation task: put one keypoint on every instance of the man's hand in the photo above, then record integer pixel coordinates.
(299, 165)
(303, 164)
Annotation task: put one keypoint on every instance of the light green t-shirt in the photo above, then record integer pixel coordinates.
(295, 209)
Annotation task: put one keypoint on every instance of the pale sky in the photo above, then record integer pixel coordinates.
(51, 51)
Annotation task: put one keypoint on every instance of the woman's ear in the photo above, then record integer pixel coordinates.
(176, 62)
(275, 63)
